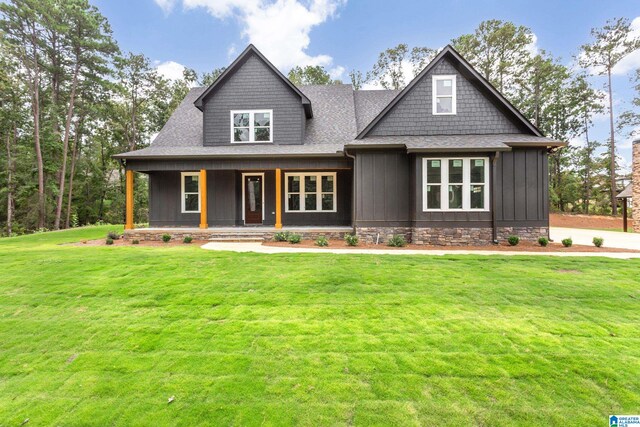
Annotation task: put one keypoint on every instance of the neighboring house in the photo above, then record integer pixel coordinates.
(632, 190)
(447, 160)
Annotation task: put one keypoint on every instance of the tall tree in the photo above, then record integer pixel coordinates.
(357, 79)
(207, 78)
(610, 44)
(310, 75)
(390, 69)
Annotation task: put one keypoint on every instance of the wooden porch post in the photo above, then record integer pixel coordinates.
(128, 225)
(278, 198)
(203, 199)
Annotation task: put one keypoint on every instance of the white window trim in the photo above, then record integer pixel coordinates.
(251, 126)
(435, 79)
(466, 184)
(244, 189)
(182, 192)
(302, 193)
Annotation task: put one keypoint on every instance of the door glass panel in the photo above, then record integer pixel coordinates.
(255, 195)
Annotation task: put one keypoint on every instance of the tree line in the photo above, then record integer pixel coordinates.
(70, 98)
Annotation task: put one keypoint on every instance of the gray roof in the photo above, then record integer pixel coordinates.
(369, 103)
(627, 192)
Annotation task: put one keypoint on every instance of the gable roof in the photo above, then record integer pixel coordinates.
(235, 65)
(492, 91)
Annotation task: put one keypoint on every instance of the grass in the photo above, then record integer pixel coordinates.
(106, 335)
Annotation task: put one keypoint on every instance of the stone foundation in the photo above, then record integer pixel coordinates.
(382, 234)
(531, 234)
(635, 186)
(241, 234)
(452, 236)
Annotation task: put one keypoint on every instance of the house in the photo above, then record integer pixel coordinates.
(448, 160)
(632, 190)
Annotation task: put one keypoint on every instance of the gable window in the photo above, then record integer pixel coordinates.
(251, 126)
(444, 94)
(310, 192)
(455, 184)
(190, 185)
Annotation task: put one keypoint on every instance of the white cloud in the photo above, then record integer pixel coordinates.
(337, 72)
(632, 61)
(532, 47)
(280, 28)
(170, 70)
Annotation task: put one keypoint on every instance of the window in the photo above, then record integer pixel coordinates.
(444, 95)
(455, 184)
(310, 192)
(190, 192)
(251, 126)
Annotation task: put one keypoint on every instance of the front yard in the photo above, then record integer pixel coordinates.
(106, 335)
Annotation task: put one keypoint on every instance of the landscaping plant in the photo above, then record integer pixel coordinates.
(187, 239)
(397, 241)
(513, 240)
(113, 235)
(281, 236)
(166, 238)
(598, 241)
(322, 241)
(295, 238)
(351, 239)
(567, 243)
(135, 242)
(109, 241)
(543, 241)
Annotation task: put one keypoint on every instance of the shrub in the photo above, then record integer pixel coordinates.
(113, 235)
(295, 238)
(135, 242)
(166, 238)
(543, 241)
(187, 239)
(109, 241)
(322, 241)
(598, 241)
(351, 239)
(281, 236)
(513, 240)
(397, 241)
(75, 222)
(567, 243)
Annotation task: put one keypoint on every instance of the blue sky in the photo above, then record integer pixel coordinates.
(343, 35)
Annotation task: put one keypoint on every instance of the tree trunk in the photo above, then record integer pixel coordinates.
(36, 128)
(612, 166)
(65, 147)
(10, 170)
(72, 172)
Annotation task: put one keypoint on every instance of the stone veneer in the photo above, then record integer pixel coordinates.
(458, 236)
(145, 234)
(635, 186)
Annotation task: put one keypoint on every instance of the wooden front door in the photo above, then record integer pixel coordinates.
(253, 199)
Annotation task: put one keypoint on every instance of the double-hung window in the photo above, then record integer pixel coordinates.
(251, 126)
(310, 192)
(444, 94)
(190, 185)
(455, 184)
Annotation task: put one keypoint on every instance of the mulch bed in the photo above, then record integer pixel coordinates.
(122, 242)
(587, 221)
(505, 247)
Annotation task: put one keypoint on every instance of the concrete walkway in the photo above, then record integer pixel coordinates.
(612, 239)
(257, 247)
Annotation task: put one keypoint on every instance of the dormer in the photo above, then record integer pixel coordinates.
(252, 102)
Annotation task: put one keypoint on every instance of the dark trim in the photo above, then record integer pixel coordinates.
(382, 223)
(547, 144)
(459, 150)
(494, 189)
(237, 63)
(246, 165)
(124, 156)
(449, 50)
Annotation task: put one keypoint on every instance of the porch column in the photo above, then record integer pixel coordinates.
(203, 199)
(128, 224)
(278, 198)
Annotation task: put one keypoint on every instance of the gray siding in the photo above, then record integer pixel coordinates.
(253, 86)
(476, 114)
(317, 163)
(382, 180)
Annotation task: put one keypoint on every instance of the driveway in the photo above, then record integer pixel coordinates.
(582, 236)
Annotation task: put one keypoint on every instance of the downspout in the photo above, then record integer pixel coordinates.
(353, 191)
(494, 226)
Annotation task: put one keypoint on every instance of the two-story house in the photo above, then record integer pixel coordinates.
(447, 160)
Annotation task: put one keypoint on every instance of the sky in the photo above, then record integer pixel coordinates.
(342, 35)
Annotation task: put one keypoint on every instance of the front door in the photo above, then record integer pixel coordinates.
(253, 199)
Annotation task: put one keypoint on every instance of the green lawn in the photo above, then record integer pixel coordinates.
(105, 335)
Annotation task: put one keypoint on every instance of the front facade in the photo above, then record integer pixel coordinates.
(445, 161)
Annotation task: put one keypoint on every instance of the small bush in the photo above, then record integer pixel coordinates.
(113, 235)
(322, 241)
(567, 243)
(295, 238)
(598, 241)
(135, 242)
(187, 239)
(351, 239)
(513, 240)
(166, 238)
(281, 236)
(109, 241)
(397, 241)
(75, 222)
(543, 241)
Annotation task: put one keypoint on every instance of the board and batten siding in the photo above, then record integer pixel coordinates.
(253, 87)
(475, 114)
